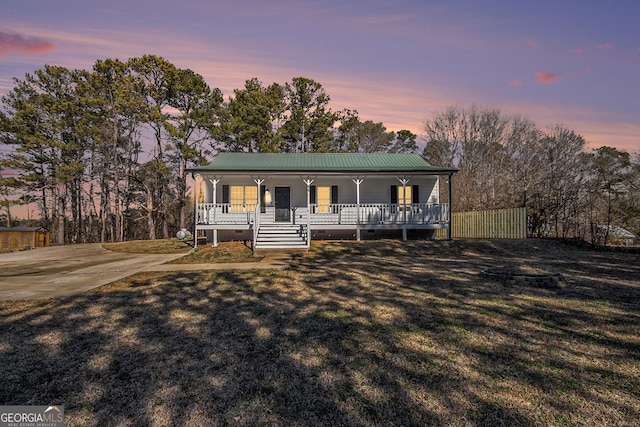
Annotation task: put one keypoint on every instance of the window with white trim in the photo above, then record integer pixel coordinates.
(243, 198)
(404, 195)
(323, 197)
(399, 196)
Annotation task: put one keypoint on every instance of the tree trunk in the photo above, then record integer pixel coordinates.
(150, 221)
(182, 184)
(116, 181)
(61, 220)
(165, 215)
(103, 218)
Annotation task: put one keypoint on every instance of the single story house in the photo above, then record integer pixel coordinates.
(23, 237)
(283, 200)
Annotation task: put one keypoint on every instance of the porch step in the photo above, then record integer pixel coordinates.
(281, 236)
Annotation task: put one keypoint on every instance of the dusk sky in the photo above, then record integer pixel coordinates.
(397, 62)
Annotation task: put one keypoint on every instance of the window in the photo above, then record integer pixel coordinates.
(324, 199)
(251, 197)
(406, 197)
(237, 198)
(243, 198)
(399, 197)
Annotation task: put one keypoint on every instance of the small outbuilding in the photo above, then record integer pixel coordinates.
(23, 237)
(616, 235)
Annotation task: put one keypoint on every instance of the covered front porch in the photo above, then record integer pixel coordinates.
(286, 211)
(282, 200)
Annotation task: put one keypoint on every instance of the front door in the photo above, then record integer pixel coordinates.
(283, 204)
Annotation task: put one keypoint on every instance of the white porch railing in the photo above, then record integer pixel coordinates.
(338, 214)
(379, 213)
(225, 213)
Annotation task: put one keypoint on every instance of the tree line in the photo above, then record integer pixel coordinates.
(507, 161)
(103, 153)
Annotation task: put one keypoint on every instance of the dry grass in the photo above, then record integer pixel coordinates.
(160, 246)
(375, 333)
(225, 252)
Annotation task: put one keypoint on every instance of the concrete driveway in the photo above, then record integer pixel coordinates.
(60, 271)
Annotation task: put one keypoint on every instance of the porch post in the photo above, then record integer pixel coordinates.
(195, 210)
(215, 182)
(256, 212)
(449, 200)
(404, 182)
(308, 181)
(259, 182)
(357, 181)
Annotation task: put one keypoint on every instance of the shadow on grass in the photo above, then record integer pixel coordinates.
(376, 333)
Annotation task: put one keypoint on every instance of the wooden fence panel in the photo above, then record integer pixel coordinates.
(492, 224)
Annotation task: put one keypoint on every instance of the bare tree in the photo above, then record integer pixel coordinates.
(473, 140)
(558, 197)
(612, 185)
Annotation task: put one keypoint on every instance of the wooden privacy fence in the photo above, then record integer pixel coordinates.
(493, 224)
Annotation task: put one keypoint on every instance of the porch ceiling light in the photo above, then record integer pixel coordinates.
(267, 196)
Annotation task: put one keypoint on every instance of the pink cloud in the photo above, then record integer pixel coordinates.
(604, 46)
(532, 43)
(547, 78)
(516, 82)
(17, 43)
(579, 51)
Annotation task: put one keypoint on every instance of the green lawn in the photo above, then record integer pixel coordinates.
(370, 333)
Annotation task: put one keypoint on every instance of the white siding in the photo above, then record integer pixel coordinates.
(434, 196)
(374, 189)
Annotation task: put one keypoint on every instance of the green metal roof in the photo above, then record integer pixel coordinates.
(319, 163)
